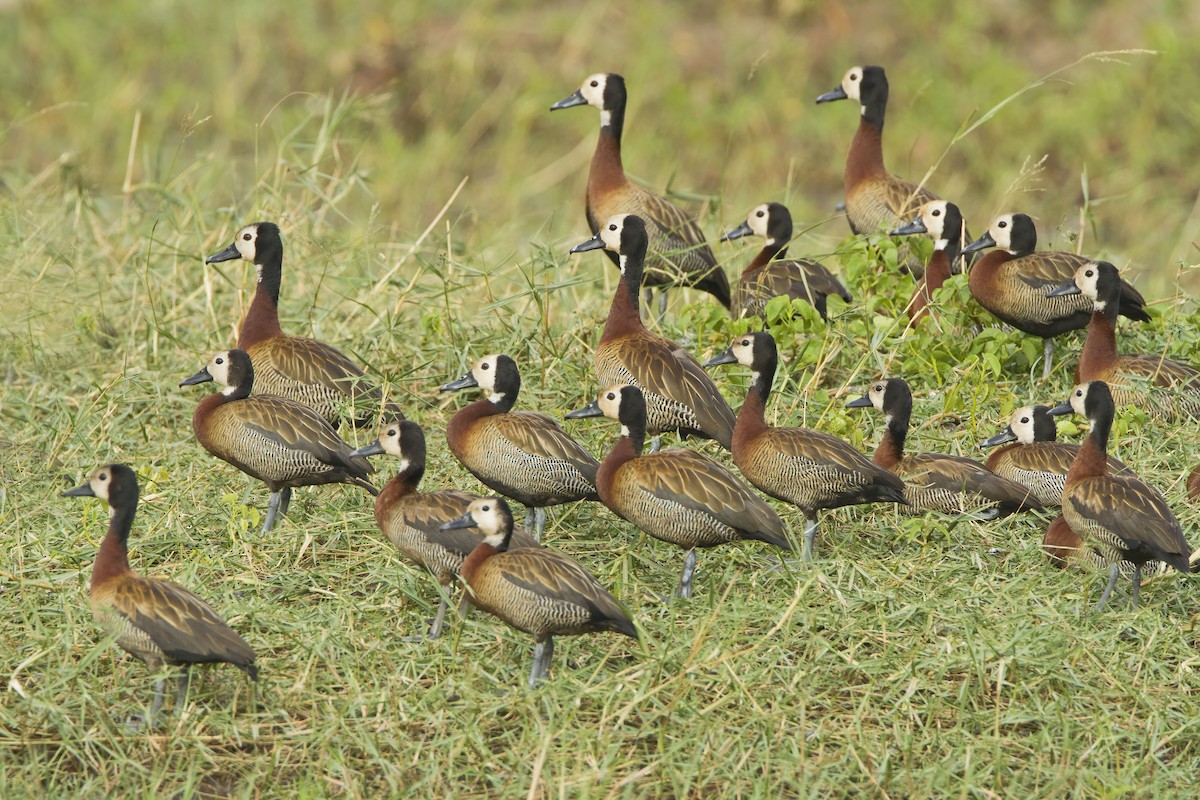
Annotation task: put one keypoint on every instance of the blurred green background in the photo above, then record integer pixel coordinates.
(721, 108)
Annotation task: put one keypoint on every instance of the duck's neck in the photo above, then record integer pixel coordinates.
(937, 272)
(607, 172)
(1092, 459)
(866, 153)
(113, 558)
(262, 319)
(751, 418)
(1100, 347)
(891, 447)
(461, 423)
(624, 314)
(474, 560)
(985, 268)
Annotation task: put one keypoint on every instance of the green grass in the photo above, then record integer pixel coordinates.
(918, 657)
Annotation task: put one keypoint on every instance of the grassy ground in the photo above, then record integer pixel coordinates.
(918, 657)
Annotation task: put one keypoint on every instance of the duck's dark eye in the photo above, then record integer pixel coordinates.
(1089, 273)
(761, 214)
(218, 361)
(486, 508)
(103, 476)
(1024, 420)
(391, 432)
(611, 396)
(246, 237)
(937, 212)
(612, 227)
(853, 77)
(1002, 225)
(595, 84)
(745, 342)
(485, 366)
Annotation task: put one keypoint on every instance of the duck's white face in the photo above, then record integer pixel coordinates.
(1087, 278)
(1001, 231)
(742, 348)
(219, 369)
(389, 439)
(933, 217)
(593, 90)
(486, 513)
(610, 232)
(851, 83)
(100, 480)
(609, 401)
(1079, 398)
(876, 392)
(758, 219)
(246, 242)
(1021, 423)
(484, 372)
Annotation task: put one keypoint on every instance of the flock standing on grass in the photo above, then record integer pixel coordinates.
(282, 397)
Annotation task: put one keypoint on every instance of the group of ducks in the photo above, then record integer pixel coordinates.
(281, 398)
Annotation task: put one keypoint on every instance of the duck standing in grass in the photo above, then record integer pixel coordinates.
(810, 469)
(680, 396)
(523, 455)
(875, 198)
(280, 442)
(412, 520)
(307, 371)
(156, 621)
(535, 590)
(678, 254)
(677, 496)
(1118, 515)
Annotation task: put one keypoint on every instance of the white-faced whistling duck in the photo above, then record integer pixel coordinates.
(676, 495)
(936, 481)
(300, 369)
(538, 591)
(771, 274)
(1015, 282)
(157, 621)
(678, 254)
(807, 468)
(680, 395)
(943, 222)
(523, 455)
(412, 520)
(1036, 460)
(875, 199)
(279, 441)
(1118, 515)
(1100, 286)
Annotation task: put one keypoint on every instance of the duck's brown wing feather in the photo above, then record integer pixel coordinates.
(1130, 510)
(542, 436)
(300, 428)
(658, 365)
(178, 621)
(700, 484)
